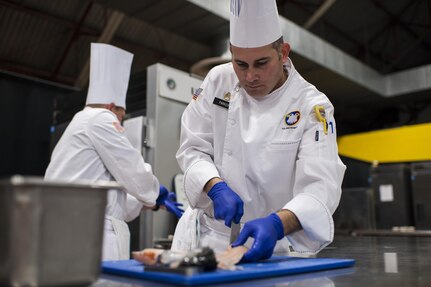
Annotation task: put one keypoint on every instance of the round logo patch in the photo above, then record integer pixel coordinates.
(292, 118)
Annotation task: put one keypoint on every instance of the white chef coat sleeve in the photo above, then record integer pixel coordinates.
(317, 187)
(121, 159)
(133, 208)
(196, 152)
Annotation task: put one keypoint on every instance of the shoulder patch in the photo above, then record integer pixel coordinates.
(118, 127)
(196, 94)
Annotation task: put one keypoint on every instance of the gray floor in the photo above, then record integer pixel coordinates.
(380, 261)
(383, 261)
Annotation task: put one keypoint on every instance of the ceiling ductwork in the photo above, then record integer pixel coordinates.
(335, 60)
(222, 55)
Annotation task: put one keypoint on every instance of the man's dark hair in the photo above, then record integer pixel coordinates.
(277, 44)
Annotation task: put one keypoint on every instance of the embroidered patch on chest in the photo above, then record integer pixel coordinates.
(291, 119)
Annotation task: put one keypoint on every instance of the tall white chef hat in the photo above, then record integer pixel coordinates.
(109, 75)
(253, 23)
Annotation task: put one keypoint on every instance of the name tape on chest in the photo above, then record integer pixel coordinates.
(222, 103)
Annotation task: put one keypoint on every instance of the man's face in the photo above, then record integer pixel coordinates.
(260, 70)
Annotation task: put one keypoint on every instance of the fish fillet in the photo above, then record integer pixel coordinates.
(225, 260)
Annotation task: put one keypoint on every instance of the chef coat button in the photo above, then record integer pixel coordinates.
(232, 121)
(228, 152)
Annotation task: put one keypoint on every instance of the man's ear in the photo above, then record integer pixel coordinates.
(285, 50)
(110, 106)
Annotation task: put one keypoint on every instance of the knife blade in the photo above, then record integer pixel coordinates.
(235, 229)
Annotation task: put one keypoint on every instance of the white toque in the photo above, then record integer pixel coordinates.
(253, 23)
(109, 75)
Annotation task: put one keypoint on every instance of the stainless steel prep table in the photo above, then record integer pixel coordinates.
(380, 261)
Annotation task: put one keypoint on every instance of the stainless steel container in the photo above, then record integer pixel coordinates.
(51, 232)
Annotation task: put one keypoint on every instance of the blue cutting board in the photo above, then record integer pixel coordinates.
(276, 266)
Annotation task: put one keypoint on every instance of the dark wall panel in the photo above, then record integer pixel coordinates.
(27, 112)
(357, 173)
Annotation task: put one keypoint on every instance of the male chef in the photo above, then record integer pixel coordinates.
(95, 147)
(258, 147)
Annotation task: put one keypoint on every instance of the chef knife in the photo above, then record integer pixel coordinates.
(235, 228)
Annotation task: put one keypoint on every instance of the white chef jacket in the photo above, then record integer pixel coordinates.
(270, 164)
(94, 147)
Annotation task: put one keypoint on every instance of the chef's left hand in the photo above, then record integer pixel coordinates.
(265, 231)
(169, 200)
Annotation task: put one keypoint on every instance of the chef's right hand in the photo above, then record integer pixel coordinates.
(169, 200)
(266, 232)
(228, 206)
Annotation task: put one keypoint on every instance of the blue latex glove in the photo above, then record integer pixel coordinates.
(228, 206)
(169, 200)
(265, 231)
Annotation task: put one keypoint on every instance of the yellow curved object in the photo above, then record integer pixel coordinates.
(321, 117)
(403, 144)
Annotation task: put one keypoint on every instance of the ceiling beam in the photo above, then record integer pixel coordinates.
(74, 36)
(418, 38)
(406, 50)
(38, 13)
(389, 23)
(34, 74)
(360, 51)
(318, 13)
(94, 33)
